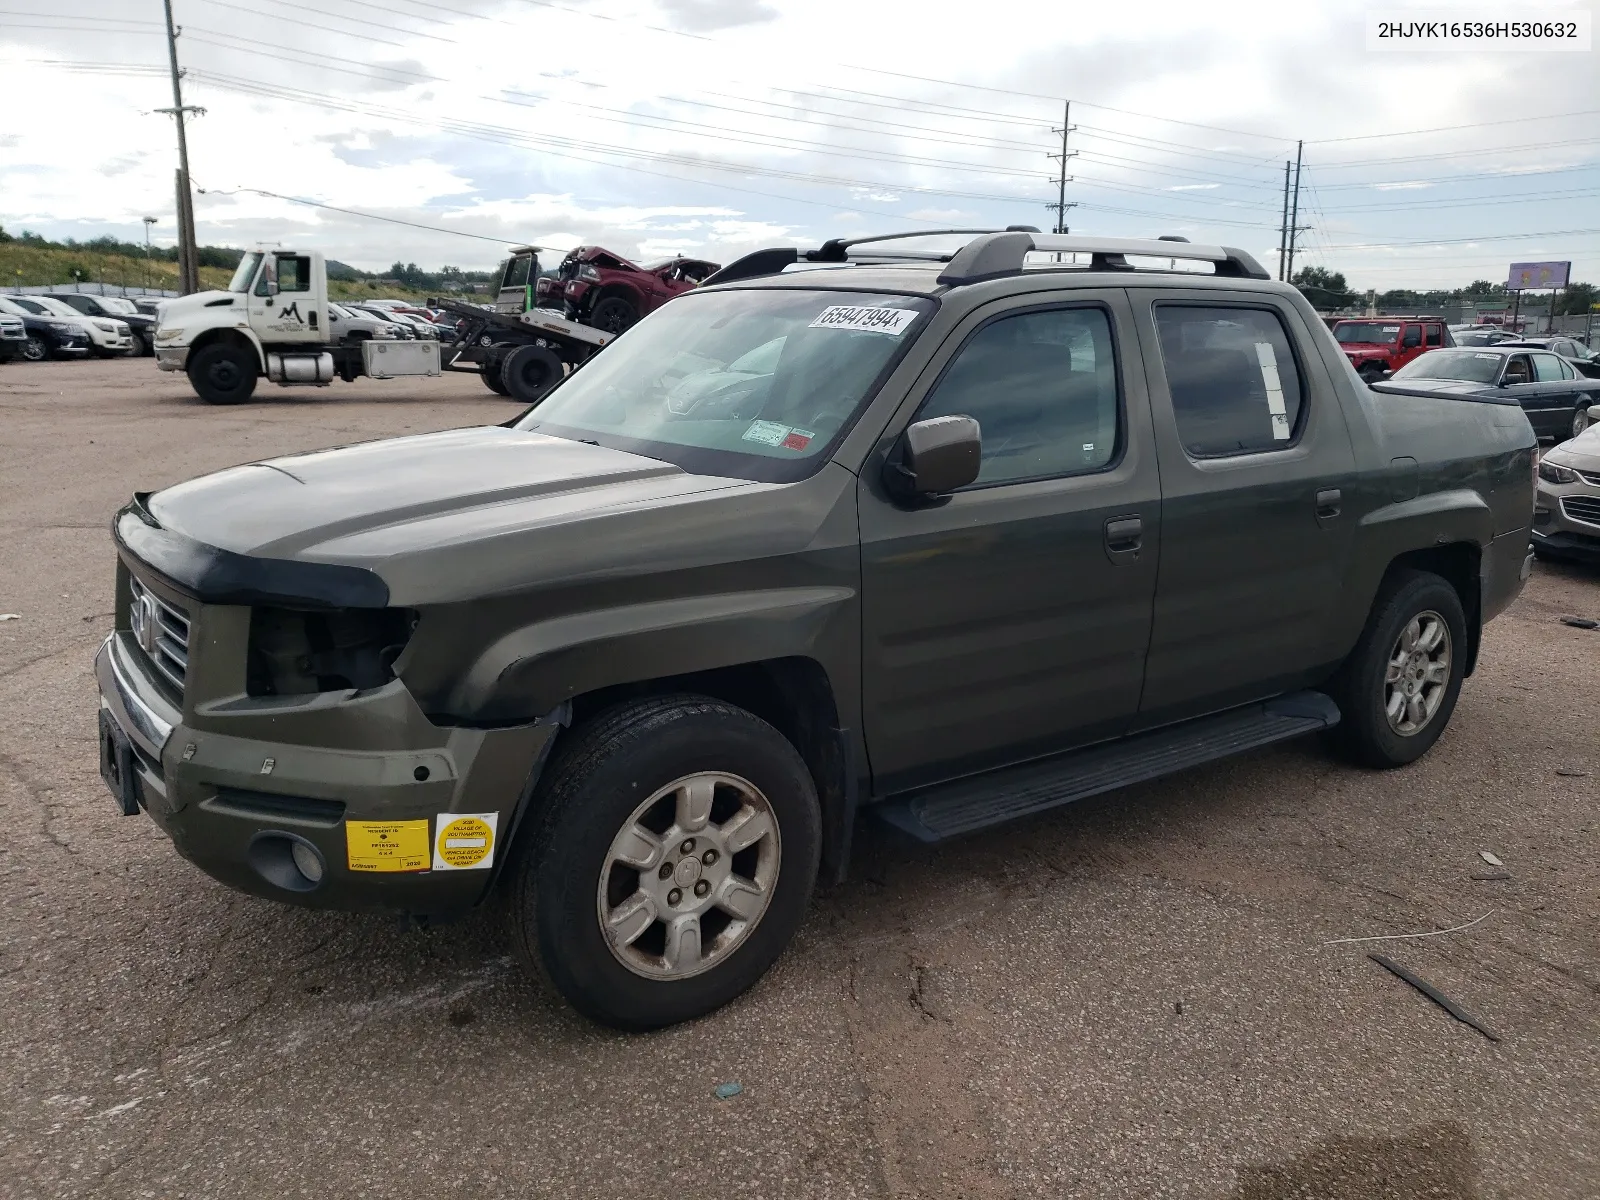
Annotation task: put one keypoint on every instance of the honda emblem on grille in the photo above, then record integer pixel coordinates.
(146, 625)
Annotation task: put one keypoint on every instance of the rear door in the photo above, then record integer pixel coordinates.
(1257, 476)
(1012, 619)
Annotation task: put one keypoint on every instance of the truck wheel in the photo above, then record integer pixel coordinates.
(613, 315)
(222, 373)
(529, 372)
(492, 378)
(1398, 688)
(676, 848)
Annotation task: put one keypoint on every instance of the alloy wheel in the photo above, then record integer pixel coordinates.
(689, 875)
(34, 350)
(1418, 673)
(1581, 420)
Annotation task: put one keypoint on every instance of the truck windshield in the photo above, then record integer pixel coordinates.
(246, 272)
(1366, 331)
(750, 384)
(1473, 366)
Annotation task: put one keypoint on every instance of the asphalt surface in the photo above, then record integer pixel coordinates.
(1129, 997)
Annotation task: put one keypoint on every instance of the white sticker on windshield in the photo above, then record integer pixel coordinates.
(1489, 357)
(768, 433)
(892, 321)
(1268, 359)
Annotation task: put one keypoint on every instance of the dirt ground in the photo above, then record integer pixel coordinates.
(1133, 996)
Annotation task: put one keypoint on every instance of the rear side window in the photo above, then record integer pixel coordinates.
(1547, 368)
(1434, 334)
(1235, 386)
(1042, 387)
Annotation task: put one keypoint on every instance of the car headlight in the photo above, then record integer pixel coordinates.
(1555, 473)
(63, 327)
(122, 329)
(590, 272)
(105, 326)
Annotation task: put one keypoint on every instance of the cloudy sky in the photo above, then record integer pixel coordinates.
(715, 126)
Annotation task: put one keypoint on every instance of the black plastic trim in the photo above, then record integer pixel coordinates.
(215, 576)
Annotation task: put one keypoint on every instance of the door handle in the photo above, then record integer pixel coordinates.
(1124, 537)
(1328, 503)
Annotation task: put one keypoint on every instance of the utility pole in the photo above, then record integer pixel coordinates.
(1062, 178)
(1294, 212)
(148, 221)
(188, 258)
(1283, 224)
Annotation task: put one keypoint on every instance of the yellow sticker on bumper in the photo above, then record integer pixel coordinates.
(387, 845)
(465, 841)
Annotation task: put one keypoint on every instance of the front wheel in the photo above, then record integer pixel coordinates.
(1399, 686)
(34, 349)
(674, 852)
(222, 373)
(613, 315)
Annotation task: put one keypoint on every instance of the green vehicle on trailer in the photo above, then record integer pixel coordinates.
(949, 537)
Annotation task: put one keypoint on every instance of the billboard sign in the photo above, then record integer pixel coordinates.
(1538, 276)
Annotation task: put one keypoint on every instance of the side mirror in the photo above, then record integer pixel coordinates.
(272, 288)
(933, 457)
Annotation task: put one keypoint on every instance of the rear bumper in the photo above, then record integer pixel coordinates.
(1507, 563)
(219, 782)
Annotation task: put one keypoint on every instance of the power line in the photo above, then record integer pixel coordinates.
(355, 213)
(1367, 137)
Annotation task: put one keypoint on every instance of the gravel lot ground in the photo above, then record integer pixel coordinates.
(1129, 997)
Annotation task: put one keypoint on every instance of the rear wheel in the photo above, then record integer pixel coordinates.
(1399, 686)
(613, 315)
(675, 852)
(223, 373)
(529, 372)
(1581, 420)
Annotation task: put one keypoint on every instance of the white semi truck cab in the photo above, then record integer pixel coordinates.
(272, 322)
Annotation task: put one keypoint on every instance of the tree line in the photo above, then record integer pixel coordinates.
(1328, 289)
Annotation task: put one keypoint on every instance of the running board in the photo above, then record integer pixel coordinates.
(951, 809)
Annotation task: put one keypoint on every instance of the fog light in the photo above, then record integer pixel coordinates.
(308, 860)
(1541, 516)
(287, 860)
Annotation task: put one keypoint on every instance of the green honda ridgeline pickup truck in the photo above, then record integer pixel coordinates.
(954, 536)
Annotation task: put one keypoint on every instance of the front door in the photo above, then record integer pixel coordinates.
(1257, 488)
(291, 311)
(1011, 619)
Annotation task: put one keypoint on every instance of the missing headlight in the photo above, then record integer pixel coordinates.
(294, 652)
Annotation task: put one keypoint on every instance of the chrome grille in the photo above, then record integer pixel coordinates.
(1590, 477)
(1582, 508)
(166, 643)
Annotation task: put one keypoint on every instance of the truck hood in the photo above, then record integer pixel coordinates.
(1419, 386)
(176, 311)
(1367, 347)
(367, 503)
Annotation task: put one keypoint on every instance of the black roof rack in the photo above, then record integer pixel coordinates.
(993, 253)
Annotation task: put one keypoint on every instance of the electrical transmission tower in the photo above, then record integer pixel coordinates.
(1062, 179)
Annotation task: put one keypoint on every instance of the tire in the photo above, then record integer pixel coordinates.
(613, 315)
(223, 373)
(601, 785)
(35, 350)
(1371, 375)
(1581, 420)
(147, 345)
(492, 378)
(1408, 603)
(528, 372)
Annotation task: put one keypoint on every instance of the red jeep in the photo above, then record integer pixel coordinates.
(1378, 344)
(605, 290)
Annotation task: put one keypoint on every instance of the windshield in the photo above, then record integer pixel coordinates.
(1472, 366)
(29, 305)
(1479, 338)
(57, 307)
(1366, 331)
(753, 384)
(117, 304)
(246, 272)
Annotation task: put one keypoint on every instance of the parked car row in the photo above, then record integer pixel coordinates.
(1558, 399)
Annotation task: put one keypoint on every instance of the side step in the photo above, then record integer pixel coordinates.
(950, 809)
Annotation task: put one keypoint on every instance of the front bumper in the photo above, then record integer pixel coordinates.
(172, 358)
(218, 776)
(1566, 518)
